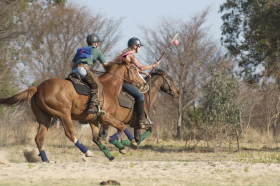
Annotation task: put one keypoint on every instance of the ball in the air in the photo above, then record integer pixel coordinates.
(176, 42)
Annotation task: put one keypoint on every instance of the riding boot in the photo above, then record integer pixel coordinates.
(141, 114)
(94, 107)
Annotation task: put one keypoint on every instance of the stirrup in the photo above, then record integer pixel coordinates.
(96, 111)
(147, 121)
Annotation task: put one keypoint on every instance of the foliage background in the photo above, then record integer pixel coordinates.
(223, 96)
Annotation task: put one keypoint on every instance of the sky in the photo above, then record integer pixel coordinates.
(147, 13)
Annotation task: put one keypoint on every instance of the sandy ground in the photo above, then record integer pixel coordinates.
(144, 167)
(140, 173)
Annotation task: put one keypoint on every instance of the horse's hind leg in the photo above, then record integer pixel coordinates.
(69, 132)
(44, 123)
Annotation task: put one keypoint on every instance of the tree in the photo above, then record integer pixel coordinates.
(251, 31)
(190, 63)
(11, 17)
(219, 104)
(51, 44)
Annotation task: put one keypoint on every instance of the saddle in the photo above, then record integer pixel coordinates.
(81, 87)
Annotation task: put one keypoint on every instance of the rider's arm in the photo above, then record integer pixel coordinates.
(135, 61)
(101, 57)
(143, 72)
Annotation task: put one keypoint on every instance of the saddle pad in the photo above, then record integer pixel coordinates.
(80, 86)
(126, 100)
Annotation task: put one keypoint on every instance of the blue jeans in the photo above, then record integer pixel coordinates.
(134, 91)
(81, 71)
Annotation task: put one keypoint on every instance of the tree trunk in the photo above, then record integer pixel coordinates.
(179, 124)
(274, 128)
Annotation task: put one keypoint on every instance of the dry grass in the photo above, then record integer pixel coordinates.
(163, 163)
(156, 162)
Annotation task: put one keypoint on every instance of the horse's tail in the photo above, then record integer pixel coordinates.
(20, 97)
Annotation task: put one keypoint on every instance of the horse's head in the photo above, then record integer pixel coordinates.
(125, 70)
(168, 85)
(133, 76)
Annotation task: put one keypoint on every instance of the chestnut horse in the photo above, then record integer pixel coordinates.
(58, 98)
(160, 82)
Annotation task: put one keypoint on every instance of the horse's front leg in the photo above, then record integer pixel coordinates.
(111, 120)
(97, 141)
(138, 137)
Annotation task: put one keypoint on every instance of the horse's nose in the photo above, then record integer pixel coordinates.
(176, 94)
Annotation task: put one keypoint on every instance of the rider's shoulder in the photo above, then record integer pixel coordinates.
(131, 55)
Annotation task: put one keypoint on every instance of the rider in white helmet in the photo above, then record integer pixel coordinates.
(134, 46)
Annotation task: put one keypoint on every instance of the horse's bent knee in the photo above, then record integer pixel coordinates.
(71, 136)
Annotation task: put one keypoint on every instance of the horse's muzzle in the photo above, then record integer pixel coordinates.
(174, 94)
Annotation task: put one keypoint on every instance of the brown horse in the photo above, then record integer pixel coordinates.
(58, 98)
(160, 82)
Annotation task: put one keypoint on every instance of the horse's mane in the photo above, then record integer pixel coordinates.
(157, 72)
(111, 66)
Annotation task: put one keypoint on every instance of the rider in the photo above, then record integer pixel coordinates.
(82, 66)
(134, 46)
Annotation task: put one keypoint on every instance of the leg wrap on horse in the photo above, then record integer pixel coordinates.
(44, 156)
(106, 152)
(145, 135)
(118, 144)
(128, 134)
(126, 142)
(81, 146)
(115, 136)
(141, 138)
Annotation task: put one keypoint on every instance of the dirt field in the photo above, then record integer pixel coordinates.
(153, 164)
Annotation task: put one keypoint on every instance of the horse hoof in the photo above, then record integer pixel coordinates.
(122, 151)
(88, 154)
(112, 158)
(134, 145)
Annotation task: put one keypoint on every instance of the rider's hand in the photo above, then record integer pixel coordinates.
(156, 64)
(147, 74)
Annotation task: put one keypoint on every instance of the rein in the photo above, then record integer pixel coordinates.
(101, 72)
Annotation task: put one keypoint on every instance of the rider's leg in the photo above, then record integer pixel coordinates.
(139, 99)
(95, 87)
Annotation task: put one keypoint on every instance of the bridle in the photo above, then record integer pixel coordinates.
(113, 74)
(142, 88)
(171, 91)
